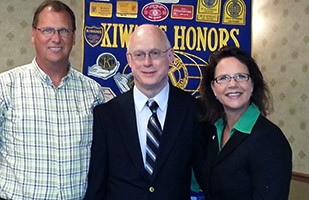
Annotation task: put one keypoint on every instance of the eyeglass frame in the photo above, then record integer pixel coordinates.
(44, 31)
(144, 54)
(228, 78)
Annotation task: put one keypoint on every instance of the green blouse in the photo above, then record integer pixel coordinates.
(244, 124)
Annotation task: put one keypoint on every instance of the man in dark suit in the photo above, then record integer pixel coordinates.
(119, 164)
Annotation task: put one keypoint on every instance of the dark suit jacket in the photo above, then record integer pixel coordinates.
(255, 166)
(116, 168)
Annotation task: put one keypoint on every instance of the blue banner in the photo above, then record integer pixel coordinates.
(195, 28)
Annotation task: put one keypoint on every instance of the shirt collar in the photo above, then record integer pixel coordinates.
(44, 77)
(245, 122)
(161, 98)
(248, 119)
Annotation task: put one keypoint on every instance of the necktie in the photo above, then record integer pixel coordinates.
(154, 132)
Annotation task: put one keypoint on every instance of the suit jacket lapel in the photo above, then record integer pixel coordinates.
(129, 131)
(213, 148)
(236, 139)
(171, 129)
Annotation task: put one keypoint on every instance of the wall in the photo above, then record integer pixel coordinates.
(280, 46)
(15, 41)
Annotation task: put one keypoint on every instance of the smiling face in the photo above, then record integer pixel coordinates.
(53, 50)
(234, 96)
(150, 74)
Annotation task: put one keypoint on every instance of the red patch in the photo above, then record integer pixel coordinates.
(155, 12)
(182, 12)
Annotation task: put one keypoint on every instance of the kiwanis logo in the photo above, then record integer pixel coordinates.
(105, 67)
(93, 35)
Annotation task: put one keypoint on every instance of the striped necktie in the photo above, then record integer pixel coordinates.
(154, 132)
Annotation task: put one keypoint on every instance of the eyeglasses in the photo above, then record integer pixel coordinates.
(153, 54)
(240, 77)
(48, 32)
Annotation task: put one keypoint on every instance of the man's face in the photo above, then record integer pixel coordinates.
(53, 49)
(149, 59)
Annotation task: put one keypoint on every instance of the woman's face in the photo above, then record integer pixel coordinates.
(233, 93)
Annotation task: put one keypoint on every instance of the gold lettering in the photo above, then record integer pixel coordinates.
(125, 33)
(163, 27)
(179, 36)
(185, 38)
(233, 32)
(106, 42)
(191, 41)
(201, 38)
(224, 37)
(115, 35)
(212, 39)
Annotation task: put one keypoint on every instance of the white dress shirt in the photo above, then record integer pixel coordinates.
(143, 113)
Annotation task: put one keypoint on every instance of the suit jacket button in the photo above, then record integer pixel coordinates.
(151, 189)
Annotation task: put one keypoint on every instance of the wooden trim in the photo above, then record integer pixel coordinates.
(302, 177)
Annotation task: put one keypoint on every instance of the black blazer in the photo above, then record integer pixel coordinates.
(116, 168)
(255, 166)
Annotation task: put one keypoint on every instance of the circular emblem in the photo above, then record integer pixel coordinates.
(155, 12)
(105, 67)
(209, 3)
(107, 61)
(234, 9)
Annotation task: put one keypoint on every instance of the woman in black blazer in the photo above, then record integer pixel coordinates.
(247, 157)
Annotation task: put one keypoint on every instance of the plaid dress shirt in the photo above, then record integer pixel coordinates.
(45, 133)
